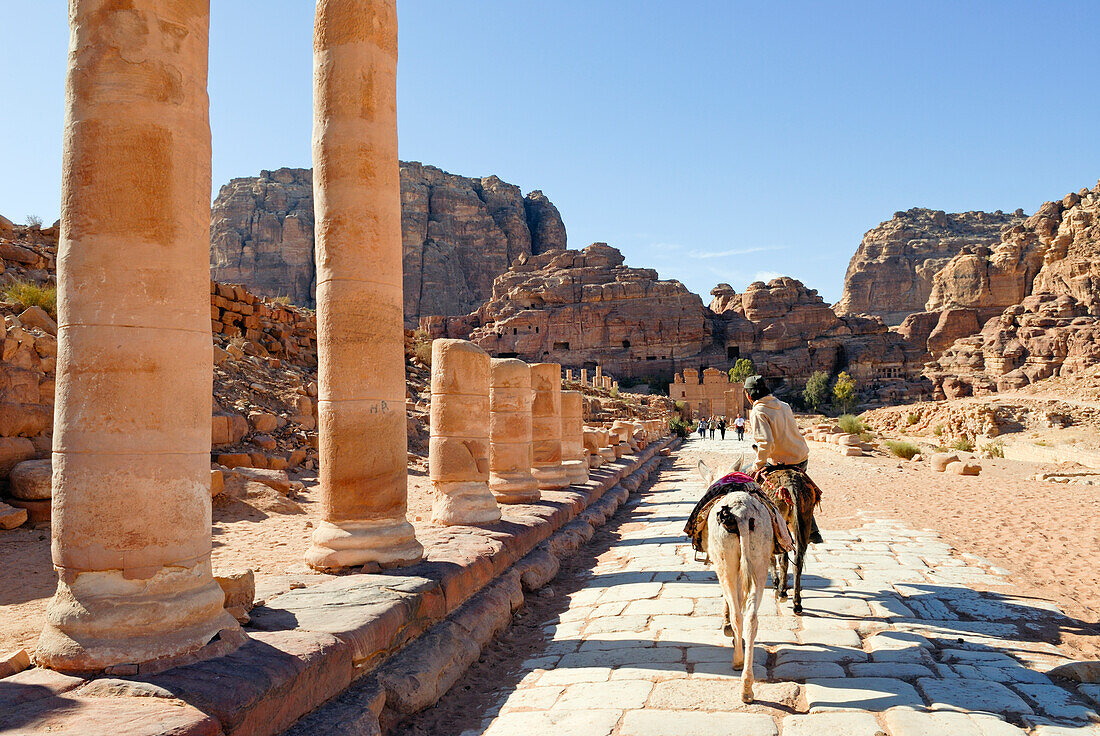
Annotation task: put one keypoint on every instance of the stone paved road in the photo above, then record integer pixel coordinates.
(894, 641)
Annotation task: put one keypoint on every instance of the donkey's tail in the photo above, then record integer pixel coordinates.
(748, 584)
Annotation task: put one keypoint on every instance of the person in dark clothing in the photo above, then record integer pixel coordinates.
(722, 427)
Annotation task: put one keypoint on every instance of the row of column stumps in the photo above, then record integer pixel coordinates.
(503, 430)
(599, 380)
(131, 501)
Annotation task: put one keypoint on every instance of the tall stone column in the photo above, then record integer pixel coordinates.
(360, 332)
(574, 458)
(458, 449)
(131, 445)
(510, 458)
(546, 427)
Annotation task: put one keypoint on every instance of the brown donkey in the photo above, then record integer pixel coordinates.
(795, 498)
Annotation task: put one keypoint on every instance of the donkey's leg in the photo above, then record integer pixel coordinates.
(727, 628)
(752, 615)
(781, 581)
(737, 606)
(773, 566)
(798, 563)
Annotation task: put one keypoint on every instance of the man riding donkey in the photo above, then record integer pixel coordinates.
(779, 478)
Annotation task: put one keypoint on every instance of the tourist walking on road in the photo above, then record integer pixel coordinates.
(712, 425)
(702, 429)
(739, 425)
(722, 427)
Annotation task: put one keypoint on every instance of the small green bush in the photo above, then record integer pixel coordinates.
(963, 444)
(844, 392)
(995, 448)
(867, 436)
(422, 347)
(851, 424)
(817, 390)
(938, 430)
(902, 449)
(912, 419)
(741, 370)
(680, 428)
(30, 294)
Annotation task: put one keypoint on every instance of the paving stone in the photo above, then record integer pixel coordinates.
(616, 623)
(660, 606)
(587, 722)
(817, 653)
(860, 693)
(907, 722)
(981, 696)
(655, 671)
(1051, 729)
(692, 723)
(625, 694)
(901, 670)
(830, 637)
(572, 675)
(831, 724)
(1056, 702)
(532, 698)
(630, 592)
(806, 670)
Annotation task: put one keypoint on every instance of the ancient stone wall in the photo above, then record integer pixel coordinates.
(458, 234)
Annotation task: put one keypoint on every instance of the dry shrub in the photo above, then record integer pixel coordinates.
(902, 449)
(30, 294)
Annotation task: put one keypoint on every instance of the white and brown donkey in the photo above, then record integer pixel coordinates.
(739, 540)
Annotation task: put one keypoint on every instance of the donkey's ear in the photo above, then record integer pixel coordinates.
(706, 473)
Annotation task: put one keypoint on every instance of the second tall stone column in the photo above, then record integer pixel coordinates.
(546, 427)
(360, 332)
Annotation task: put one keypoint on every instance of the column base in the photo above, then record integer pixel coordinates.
(516, 487)
(594, 460)
(550, 477)
(99, 619)
(341, 544)
(576, 471)
(608, 454)
(463, 502)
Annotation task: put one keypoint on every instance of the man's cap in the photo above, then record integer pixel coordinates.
(756, 387)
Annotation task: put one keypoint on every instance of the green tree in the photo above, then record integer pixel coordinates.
(817, 390)
(741, 370)
(844, 392)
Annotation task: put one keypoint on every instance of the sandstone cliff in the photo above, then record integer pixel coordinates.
(1050, 265)
(581, 308)
(891, 274)
(458, 234)
(788, 330)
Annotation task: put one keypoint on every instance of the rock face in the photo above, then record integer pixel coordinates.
(788, 330)
(458, 234)
(891, 274)
(1050, 265)
(580, 308)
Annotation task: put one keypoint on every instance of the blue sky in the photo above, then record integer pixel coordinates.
(713, 141)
